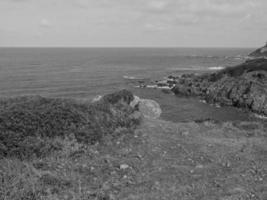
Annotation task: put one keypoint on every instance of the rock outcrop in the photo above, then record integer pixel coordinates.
(243, 86)
(142, 107)
(149, 108)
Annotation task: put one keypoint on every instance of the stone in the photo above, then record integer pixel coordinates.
(124, 166)
(150, 108)
(135, 102)
(97, 98)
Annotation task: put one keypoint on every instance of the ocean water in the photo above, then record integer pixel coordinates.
(87, 72)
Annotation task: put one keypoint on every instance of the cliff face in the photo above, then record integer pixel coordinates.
(243, 86)
(259, 53)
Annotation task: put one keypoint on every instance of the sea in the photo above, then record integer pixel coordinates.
(84, 73)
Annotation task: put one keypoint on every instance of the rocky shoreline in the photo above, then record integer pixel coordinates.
(243, 86)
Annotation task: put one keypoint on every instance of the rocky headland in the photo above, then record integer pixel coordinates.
(259, 53)
(243, 86)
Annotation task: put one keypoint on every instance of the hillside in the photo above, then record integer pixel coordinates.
(259, 53)
(158, 160)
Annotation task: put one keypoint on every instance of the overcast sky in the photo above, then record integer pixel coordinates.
(163, 23)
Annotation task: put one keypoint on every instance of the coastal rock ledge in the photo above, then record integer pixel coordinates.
(243, 86)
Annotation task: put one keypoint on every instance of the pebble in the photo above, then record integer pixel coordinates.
(199, 166)
(185, 133)
(124, 166)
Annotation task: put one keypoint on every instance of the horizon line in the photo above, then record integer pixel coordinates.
(132, 47)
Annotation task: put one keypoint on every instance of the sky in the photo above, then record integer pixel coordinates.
(133, 23)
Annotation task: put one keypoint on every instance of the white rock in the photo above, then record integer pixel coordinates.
(135, 101)
(124, 166)
(149, 108)
(97, 98)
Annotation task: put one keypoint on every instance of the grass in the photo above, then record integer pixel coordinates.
(78, 171)
(156, 160)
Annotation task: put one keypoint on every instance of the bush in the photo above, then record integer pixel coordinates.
(27, 124)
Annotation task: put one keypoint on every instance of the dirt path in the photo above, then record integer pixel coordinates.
(201, 161)
(160, 160)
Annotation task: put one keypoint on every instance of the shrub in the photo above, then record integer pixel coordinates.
(27, 124)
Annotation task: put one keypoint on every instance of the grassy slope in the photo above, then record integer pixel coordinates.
(158, 160)
(261, 52)
(161, 160)
(236, 71)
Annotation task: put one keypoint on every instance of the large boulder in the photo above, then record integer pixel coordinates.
(145, 107)
(149, 108)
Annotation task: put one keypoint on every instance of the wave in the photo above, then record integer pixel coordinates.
(201, 56)
(154, 87)
(197, 68)
(133, 78)
(216, 68)
(76, 69)
(188, 69)
(261, 116)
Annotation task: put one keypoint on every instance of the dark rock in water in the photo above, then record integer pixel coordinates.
(243, 86)
(163, 85)
(171, 77)
(206, 120)
(171, 82)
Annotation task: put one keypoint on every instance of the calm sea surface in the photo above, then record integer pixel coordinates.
(87, 72)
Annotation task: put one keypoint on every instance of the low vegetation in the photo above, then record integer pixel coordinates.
(33, 126)
(85, 151)
(249, 66)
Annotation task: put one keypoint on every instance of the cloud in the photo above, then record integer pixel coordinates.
(18, 1)
(44, 23)
(155, 27)
(108, 19)
(158, 5)
(183, 12)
